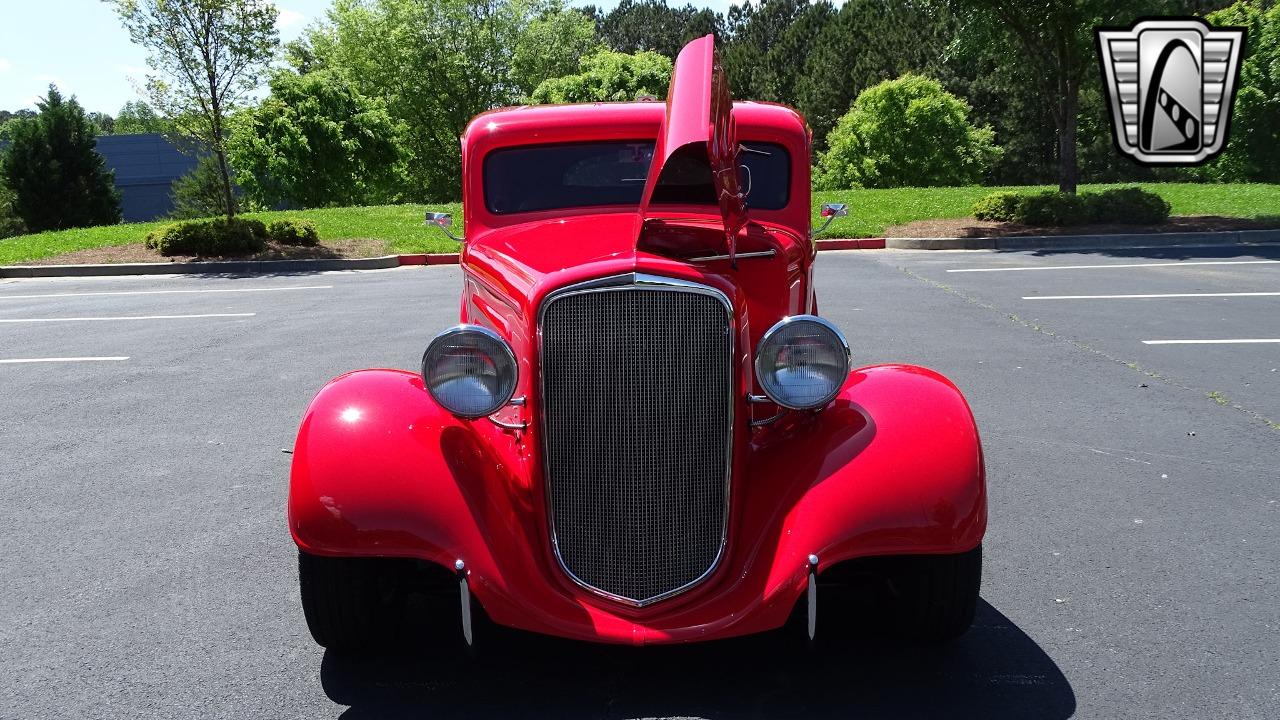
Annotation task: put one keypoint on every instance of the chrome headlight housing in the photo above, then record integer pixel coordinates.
(802, 362)
(470, 370)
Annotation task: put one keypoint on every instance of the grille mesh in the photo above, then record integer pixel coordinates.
(637, 387)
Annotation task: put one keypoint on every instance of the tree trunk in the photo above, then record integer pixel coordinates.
(1068, 167)
(228, 196)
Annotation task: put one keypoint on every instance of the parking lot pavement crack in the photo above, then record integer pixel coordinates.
(1213, 395)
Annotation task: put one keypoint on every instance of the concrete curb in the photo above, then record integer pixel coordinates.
(1088, 242)
(231, 267)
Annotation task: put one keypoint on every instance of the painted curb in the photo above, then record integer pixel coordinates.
(1088, 242)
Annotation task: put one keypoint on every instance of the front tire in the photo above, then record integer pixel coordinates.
(350, 604)
(939, 594)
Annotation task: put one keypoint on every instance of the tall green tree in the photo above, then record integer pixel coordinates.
(315, 142)
(609, 76)
(435, 64)
(206, 56)
(1253, 148)
(1052, 42)
(654, 26)
(57, 178)
(137, 118)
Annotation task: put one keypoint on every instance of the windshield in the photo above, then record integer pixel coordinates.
(571, 175)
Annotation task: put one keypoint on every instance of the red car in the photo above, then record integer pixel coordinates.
(641, 432)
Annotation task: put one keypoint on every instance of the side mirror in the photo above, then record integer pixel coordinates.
(830, 211)
(443, 221)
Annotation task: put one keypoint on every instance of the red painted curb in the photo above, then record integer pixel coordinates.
(852, 244)
(425, 259)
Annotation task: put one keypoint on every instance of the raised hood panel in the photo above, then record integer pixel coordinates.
(698, 134)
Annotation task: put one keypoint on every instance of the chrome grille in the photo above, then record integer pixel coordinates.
(637, 406)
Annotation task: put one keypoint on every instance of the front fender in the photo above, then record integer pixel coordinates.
(892, 466)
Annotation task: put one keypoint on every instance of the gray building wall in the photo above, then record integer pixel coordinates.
(145, 167)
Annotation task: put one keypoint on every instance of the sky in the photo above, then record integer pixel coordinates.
(80, 46)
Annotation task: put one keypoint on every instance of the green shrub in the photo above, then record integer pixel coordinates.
(1001, 206)
(209, 238)
(1053, 209)
(1130, 206)
(292, 231)
(908, 132)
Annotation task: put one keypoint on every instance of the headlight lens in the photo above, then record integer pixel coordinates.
(802, 362)
(469, 370)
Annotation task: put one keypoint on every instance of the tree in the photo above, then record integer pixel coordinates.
(551, 46)
(57, 178)
(906, 132)
(137, 118)
(653, 26)
(207, 56)
(1052, 41)
(10, 223)
(831, 58)
(437, 64)
(608, 76)
(316, 141)
(198, 194)
(1253, 147)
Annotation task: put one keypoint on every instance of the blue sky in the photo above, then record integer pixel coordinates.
(80, 46)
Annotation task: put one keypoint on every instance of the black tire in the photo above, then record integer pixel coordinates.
(939, 594)
(351, 604)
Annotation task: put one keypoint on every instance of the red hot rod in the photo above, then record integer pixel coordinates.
(641, 432)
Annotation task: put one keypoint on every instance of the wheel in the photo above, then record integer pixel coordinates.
(351, 603)
(938, 594)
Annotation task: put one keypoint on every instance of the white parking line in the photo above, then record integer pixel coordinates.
(1163, 295)
(1238, 341)
(62, 359)
(134, 317)
(1124, 265)
(167, 292)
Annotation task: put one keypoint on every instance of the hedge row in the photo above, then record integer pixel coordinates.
(1126, 206)
(229, 237)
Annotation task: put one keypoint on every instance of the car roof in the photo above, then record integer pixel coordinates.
(530, 124)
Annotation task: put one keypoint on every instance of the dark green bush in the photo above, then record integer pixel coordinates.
(292, 231)
(1130, 206)
(1000, 206)
(1053, 209)
(210, 238)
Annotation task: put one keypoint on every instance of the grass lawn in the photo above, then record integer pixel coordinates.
(870, 212)
(400, 225)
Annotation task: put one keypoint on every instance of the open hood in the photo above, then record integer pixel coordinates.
(698, 137)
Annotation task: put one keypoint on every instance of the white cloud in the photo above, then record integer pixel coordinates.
(289, 18)
(5, 65)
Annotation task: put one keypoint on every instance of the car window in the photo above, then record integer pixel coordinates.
(568, 175)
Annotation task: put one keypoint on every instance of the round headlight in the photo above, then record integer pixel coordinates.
(469, 370)
(802, 362)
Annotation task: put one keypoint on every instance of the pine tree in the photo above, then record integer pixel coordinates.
(57, 177)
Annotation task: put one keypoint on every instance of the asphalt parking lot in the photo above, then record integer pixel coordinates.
(1132, 561)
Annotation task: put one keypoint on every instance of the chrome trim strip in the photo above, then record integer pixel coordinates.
(739, 256)
(643, 281)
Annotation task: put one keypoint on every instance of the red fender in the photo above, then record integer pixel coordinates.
(893, 466)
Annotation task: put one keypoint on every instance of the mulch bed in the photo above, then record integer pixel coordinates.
(139, 253)
(969, 227)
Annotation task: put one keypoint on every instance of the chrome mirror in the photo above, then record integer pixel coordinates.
(443, 221)
(830, 211)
